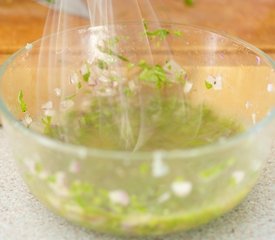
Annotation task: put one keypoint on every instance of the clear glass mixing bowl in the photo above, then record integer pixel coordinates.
(143, 192)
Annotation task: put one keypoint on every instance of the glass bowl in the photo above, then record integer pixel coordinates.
(149, 191)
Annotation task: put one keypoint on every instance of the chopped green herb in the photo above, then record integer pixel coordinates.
(177, 33)
(51, 179)
(86, 76)
(86, 72)
(144, 168)
(180, 76)
(70, 97)
(189, 2)
(38, 167)
(154, 74)
(208, 85)
(102, 64)
(112, 42)
(22, 102)
(110, 52)
(50, 1)
(127, 91)
(233, 182)
(123, 58)
(130, 65)
(79, 85)
(213, 171)
(78, 188)
(161, 33)
(47, 122)
(145, 24)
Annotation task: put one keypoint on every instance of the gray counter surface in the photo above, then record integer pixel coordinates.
(22, 217)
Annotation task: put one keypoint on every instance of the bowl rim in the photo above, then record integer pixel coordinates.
(123, 154)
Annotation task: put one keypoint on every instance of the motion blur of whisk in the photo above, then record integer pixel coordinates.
(101, 42)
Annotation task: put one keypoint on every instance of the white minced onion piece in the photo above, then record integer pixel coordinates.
(164, 197)
(215, 81)
(74, 167)
(54, 201)
(59, 186)
(174, 69)
(84, 69)
(115, 84)
(248, 105)
(31, 166)
(66, 104)
(181, 188)
(256, 166)
(82, 153)
(188, 87)
(119, 197)
(258, 60)
(57, 92)
(238, 176)
(60, 178)
(108, 92)
(43, 175)
(159, 169)
(132, 86)
(104, 79)
(28, 46)
(253, 116)
(85, 104)
(48, 105)
(269, 87)
(49, 112)
(92, 82)
(27, 121)
(73, 211)
(74, 79)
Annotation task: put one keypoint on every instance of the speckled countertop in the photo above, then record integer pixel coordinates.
(22, 217)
